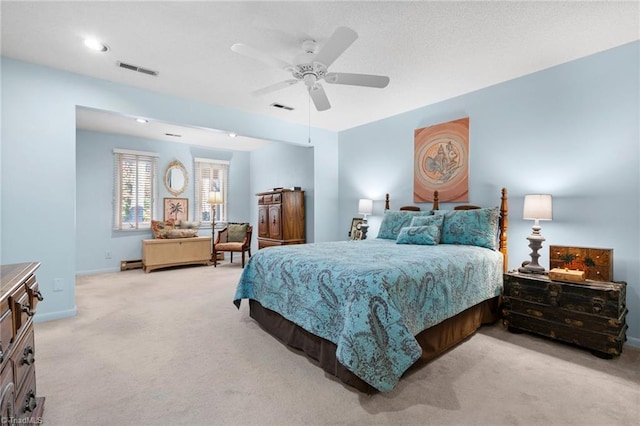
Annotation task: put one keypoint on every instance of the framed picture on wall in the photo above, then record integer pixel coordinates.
(176, 209)
(356, 229)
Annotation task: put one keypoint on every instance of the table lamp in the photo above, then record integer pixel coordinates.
(536, 207)
(365, 207)
(215, 197)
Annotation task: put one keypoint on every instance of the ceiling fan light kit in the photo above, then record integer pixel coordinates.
(311, 67)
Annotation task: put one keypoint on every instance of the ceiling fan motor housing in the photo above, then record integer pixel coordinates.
(315, 69)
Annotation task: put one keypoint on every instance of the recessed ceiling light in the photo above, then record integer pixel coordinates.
(141, 120)
(96, 45)
(233, 135)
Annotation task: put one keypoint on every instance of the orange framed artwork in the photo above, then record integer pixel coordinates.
(441, 162)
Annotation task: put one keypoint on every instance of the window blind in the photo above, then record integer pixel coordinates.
(134, 189)
(211, 175)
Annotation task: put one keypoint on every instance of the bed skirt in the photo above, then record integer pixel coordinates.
(434, 341)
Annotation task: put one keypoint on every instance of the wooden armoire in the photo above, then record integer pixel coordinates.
(281, 217)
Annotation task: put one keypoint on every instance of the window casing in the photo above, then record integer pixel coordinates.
(211, 175)
(134, 189)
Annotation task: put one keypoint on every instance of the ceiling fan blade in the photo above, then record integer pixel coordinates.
(254, 53)
(319, 97)
(367, 80)
(274, 87)
(341, 39)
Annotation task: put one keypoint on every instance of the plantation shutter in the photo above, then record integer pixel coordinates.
(134, 189)
(211, 175)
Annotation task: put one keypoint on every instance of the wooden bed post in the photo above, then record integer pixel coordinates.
(504, 224)
(386, 202)
(436, 205)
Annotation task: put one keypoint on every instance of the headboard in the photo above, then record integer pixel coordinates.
(503, 223)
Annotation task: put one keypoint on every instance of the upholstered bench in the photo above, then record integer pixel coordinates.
(162, 253)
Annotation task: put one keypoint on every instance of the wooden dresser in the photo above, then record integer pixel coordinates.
(281, 218)
(20, 295)
(591, 314)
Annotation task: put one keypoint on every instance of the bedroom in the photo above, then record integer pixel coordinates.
(571, 130)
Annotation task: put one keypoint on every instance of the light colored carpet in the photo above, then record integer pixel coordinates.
(170, 348)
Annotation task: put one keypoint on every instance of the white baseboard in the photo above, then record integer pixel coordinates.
(633, 342)
(38, 317)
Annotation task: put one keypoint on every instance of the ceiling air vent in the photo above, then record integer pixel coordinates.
(137, 68)
(288, 108)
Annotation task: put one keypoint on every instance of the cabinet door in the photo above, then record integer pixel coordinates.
(275, 225)
(263, 221)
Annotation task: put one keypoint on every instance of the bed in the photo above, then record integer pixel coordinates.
(367, 311)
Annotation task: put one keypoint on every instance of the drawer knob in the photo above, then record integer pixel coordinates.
(30, 403)
(27, 310)
(28, 355)
(1, 354)
(38, 295)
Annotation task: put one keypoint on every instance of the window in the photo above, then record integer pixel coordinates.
(133, 188)
(211, 175)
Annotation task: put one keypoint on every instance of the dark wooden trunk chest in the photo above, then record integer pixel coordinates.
(590, 314)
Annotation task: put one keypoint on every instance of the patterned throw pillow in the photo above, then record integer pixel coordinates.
(477, 227)
(160, 228)
(393, 221)
(436, 219)
(181, 233)
(428, 235)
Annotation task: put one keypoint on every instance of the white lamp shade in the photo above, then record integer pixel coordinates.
(538, 206)
(215, 197)
(365, 206)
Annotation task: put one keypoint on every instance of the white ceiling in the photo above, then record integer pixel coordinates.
(430, 50)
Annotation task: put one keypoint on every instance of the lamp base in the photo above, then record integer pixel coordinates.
(535, 244)
(528, 268)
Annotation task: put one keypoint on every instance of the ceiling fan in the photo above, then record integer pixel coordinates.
(311, 66)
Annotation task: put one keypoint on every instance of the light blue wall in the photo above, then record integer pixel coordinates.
(571, 131)
(94, 177)
(286, 166)
(38, 219)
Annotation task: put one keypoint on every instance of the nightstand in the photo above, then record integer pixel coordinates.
(589, 314)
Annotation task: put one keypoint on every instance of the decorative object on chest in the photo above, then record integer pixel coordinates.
(281, 217)
(19, 295)
(596, 263)
(591, 314)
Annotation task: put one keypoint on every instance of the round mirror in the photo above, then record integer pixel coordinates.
(176, 178)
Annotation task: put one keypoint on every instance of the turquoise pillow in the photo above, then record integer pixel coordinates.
(477, 227)
(395, 220)
(427, 235)
(436, 220)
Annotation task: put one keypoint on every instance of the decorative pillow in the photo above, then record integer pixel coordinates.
(477, 227)
(437, 220)
(427, 235)
(184, 224)
(181, 233)
(159, 228)
(395, 220)
(236, 232)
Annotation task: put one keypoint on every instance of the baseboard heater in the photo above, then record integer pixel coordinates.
(130, 264)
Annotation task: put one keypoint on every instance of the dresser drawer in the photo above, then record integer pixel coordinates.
(592, 297)
(579, 320)
(24, 357)
(26, 401)
(6, 333)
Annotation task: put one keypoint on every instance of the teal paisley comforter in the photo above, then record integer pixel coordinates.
(371, 297)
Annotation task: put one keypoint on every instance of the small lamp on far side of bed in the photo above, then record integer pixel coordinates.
(536, 207)
(365, 207)
(215, 197)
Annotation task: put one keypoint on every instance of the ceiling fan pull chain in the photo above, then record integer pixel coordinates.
(309, 109)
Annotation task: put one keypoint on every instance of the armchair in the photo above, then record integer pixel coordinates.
(234, 238)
